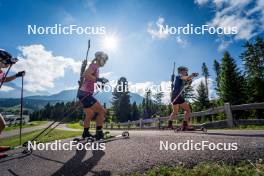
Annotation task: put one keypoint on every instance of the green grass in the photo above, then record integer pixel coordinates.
(249, 127)
(54, 135)
(74, 125)
(28, 125)
(209, 169)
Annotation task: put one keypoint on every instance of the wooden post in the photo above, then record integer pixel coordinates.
(128, 124)
(140, 123)
(158, 123)
(229, 115)
(112, 125)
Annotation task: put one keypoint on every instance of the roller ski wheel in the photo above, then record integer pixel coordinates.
(176, 130)
(125, 134)
(204, 129)
(90, 140)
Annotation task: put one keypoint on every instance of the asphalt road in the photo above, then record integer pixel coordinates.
(138, 153)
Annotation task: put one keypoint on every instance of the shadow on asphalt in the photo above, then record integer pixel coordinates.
(12, 172)
(45, 158)
(75, 165)
(241, 135)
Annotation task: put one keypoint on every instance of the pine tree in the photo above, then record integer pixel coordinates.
(202, 101)
(205, 73)
(158, 102)
(231, 83)
(253, 59)
(147, 104)
(158, 97)
(217, 73)
(188, 93)
(121, 101)
(135, 112)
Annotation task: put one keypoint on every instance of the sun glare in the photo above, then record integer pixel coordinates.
(110, 43)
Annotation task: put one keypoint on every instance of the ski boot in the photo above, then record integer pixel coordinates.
(86, 134)
(170, 126)
(99, 135)
(186, 127)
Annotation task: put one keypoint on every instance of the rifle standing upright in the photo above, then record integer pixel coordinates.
(84, 64)
(172, 78)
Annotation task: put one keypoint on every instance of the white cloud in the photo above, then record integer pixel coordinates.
(107, 75)
(223, 43)
(71, 88)
(181, 41)
(90, 4)
(201, 2)
(246, 15)
(68, 19)
(154, 29)
(42, 67)
(6, 88)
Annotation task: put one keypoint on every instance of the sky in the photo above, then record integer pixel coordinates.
(136, 48)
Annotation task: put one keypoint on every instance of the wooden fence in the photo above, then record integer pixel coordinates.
(227, 109)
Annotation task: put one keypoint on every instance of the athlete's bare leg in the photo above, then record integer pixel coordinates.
(98, 108)
(187, 111)
(88, 117)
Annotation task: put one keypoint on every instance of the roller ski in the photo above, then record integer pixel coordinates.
(13, 153)
(102, 137)
(169, 127)
(186, 127)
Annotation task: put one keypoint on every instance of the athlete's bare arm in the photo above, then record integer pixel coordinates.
(189, 78)
(8, 79)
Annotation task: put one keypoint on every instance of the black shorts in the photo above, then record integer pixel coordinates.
(86, 100)
(179, 100)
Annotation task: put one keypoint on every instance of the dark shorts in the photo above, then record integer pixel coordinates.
(86, 100)
(179, 100)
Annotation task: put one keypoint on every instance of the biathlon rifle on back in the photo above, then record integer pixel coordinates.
(84, 65)
(172, 78)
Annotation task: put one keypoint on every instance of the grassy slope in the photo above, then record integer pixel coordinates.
(30, 124)
(54, 135)
(209, 169)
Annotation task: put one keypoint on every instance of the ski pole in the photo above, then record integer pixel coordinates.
(63, 119)
(84, 64)
(60, 122)
(21, 110)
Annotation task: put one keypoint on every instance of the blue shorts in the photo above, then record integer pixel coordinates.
(179, 100)
(86, 99)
